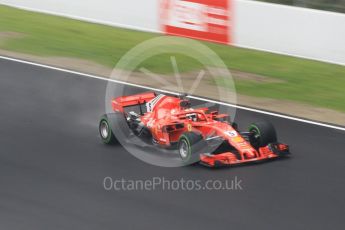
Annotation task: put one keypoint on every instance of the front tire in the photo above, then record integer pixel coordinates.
(190, 146)
(262, 133)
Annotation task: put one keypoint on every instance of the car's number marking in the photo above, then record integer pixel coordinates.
(231, 133)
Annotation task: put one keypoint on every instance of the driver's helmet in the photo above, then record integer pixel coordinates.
(192, 116)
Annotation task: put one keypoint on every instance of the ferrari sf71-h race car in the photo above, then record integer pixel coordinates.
(197, 134)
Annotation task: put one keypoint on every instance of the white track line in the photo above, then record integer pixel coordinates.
(174, 93)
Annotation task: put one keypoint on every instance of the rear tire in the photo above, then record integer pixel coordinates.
(190, 145)
(262, 133)
(105, 131)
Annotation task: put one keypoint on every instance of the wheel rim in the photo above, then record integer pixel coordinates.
(104, 129)
(184, 149)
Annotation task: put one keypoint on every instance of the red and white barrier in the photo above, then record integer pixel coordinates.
(294, 31)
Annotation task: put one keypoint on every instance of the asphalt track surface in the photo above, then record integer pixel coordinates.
(52, 166)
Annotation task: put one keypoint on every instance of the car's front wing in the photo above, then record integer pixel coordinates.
(271, 151)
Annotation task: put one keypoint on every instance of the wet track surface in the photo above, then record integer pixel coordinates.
(52, 166)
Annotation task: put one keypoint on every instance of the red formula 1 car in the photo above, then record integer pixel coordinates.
(198, 134)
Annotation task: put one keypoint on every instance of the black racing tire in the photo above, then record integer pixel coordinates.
(190, 145)
(116, 122)
(105, 131)
(262, 133)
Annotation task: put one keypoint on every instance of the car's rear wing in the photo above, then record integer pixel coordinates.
(118, 104)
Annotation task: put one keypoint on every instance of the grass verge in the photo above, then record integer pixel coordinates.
(316, 83)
